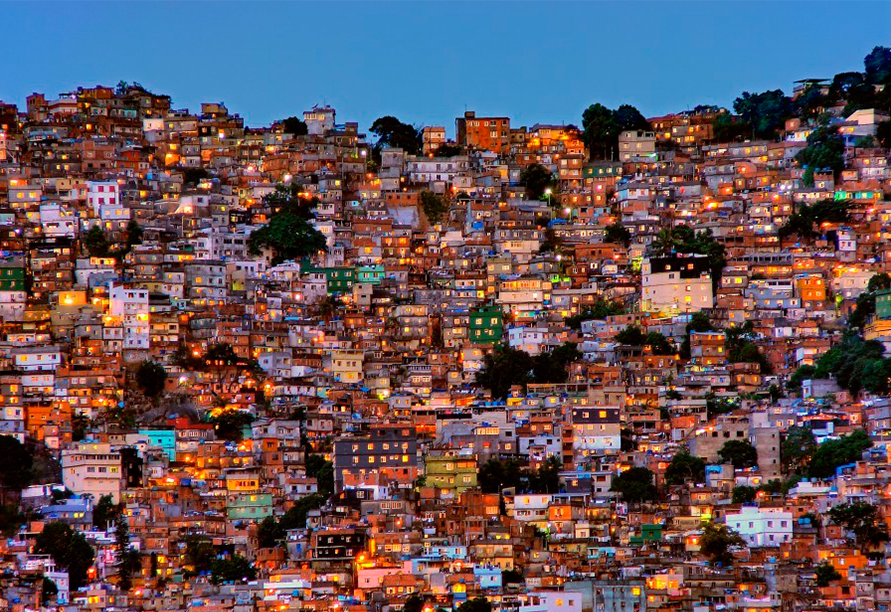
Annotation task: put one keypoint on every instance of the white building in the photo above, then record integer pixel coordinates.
(676, 284)
(552, 601)
(131, 308)
(104, 199)
(92, 468)
(762, 527)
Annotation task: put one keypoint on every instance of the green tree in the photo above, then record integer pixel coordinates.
(766, 112)
(129, 559)
(659, 344)
(105, 512)
(504, 368)
(635, 485)
(323, 471)
(826, 573)
(134, 234)
(448, 150)
(552, 367)
(617, 233)
(797, 448)
(495, 475)
(16, 469)
(96, 243)
(536, 179)
(600, 131)
(825, 151)
(69, 549)
(602, 127)
(48, 591)
(834, 453)
(289, 236)
(234, 568)
(150, 377)
(600, 309)
(684, 240)
(716, 542)
(269, 533)
(229, 424)
(740, 453)
(200, 554)
(414, 603)
(391, 132)
(477, 604)
(883, 134)
(685, 466)
(877, 65)
(295, 517)
(862, 519)
(294, 126)
(435, 206)
(632, 335)
(547, 478)
(743, 494)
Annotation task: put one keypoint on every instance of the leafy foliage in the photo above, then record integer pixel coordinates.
(536, 178)
(294, 126)
(717, 541)
(16, 467)
(682, 239)
(741, 347)
(435, 206)
(289, 236)
(797, 448)
(391, 132)
(477, 604)
(766, 112)
(808, 216)
(233, 568)
(69, 549)
(323, 471)
(834, 453)
(602, 127)
(856, 364)
(826, 573)
(740, 453)
(105, 512)
(504, 368)
(617, 233)
(825, 151)
(599, 310)
(150, 377)
(496, 474)
(685, 466)
(743, 494)
(635, 485)
(228, 425)
(96, 243)
(877, 65)
(862, 519)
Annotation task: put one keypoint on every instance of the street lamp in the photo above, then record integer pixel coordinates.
(548, 193)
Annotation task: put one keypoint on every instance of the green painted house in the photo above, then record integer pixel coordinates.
(249, 507)
(883, 304)
(373, 275)
(486, 325)
(12, 278)
(449, 471)
(340, 280)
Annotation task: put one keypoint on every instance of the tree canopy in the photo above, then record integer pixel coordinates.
(834, 453)
(391, 132)
(435, 206)
(69, 549)
(766, 112)
(150, 377)
(862, 519)
(685, 466)
(635, 485)
(603, 125)
(15, 469)
(716, 542)
(536, 179)
(740, 453)
(294, 126)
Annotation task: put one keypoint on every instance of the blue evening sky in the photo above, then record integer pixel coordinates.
(426, 62)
